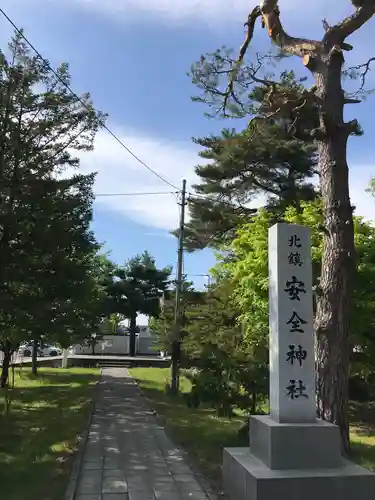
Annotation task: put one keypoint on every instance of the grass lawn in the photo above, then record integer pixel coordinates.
(204, 435)
(363, 434)
(39, 436)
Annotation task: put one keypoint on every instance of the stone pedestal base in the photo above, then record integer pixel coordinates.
(293, 462)
(295, 446)
(247, 478)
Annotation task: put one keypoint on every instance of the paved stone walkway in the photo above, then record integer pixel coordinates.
(128, 455)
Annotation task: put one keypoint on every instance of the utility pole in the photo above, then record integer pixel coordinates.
(176, 339)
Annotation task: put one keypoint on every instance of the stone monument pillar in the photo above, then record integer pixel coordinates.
(64, 361)
(292, 454)
(292, 363)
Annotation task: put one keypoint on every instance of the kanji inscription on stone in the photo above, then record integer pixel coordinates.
(292, 360)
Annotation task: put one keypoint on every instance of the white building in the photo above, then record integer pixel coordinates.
(119, 344)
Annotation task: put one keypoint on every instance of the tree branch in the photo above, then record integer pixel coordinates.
(344, 46)
(350, 24)
(358, 72)
(269, 10)
(365, 67)
(234, 75)
(250, 23)
(288, 44)
(348, 100)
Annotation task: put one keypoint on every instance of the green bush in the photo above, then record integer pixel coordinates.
(227, 384)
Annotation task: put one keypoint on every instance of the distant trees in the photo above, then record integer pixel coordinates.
(162, 326)
(137, 288)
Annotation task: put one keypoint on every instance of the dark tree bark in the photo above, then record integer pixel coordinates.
(338, 259)
(325, 60)
(133, 335)
(34, 361)
(5, 368)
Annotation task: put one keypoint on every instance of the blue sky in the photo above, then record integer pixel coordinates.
(133, 55)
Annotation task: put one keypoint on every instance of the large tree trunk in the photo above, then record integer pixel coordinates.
(34, 361)
(133, 335)
(338, 260)
(5, 367)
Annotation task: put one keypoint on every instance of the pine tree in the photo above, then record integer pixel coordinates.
(137, 288)
(269, 159)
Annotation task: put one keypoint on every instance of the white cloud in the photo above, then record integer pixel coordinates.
(223, 16)
(209, 11)
(119, 172)
(212, 13)
(170, 9)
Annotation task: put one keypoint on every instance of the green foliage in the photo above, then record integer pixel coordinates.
(223, 372)
(226, 342)
(136, 288)
(272, 158)
(162, 325)
(253, 90)
(48, 285)
(65, 300)
(371, 187)
(247, 269)
(211, 74)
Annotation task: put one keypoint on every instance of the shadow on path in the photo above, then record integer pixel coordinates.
(128, 455)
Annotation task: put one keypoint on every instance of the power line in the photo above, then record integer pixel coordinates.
(101, 122)
(136, 194)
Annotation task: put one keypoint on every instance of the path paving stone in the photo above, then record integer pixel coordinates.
(115, 496)
(128, 456)
(89, 497)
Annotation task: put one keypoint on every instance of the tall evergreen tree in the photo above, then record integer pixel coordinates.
(63, 294)
(44, 238)
(270, 158)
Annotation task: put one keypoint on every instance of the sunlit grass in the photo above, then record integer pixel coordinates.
(204, 435)
(363, 434)
(40, 434)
